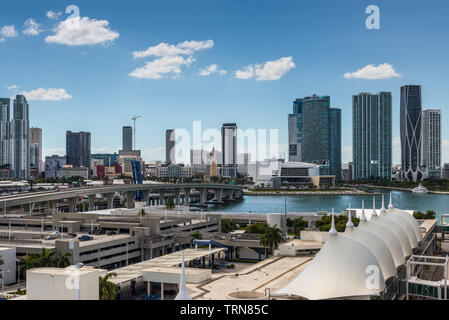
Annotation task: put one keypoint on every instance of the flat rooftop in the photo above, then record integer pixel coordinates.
(174, 259)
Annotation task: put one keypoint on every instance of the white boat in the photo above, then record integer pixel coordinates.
(420, 189)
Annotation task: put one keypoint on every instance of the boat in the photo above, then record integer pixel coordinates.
(420, 189)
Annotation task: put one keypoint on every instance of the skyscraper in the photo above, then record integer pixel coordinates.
(127, 138)
(372, 137)
(295, 132)
(5, 132)
(315, 134)
(169, 146)
(78, 149)
(229, 150)
(431, 147)
(36, 138)
(20, 147)
(411, 135)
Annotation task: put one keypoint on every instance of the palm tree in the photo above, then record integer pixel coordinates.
(108, 290)
(46, 258)
(62, 261)
(170, 204)
(195, 235)
(271, 238)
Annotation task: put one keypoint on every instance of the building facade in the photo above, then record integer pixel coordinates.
(36, 138)
(53, 166)
(229, 150)
(431, 146)
(78, 149)
(127, 138)
(20, 147)
(315, 134)
(170, 146)
(411, 134)
(372, 136)
(5, 132)
(109, 159)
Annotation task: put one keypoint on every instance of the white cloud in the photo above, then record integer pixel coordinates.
(47, 94)
(372, 72)
(12, 87)
(8, 32)
(153, 154)
(32, 28)
(183, 48)
(80, 31)
(213, 68)
(162, 67)
(270, 70)
(53, 15)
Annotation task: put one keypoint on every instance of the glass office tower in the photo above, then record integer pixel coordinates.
(20, 146)
(372, 136)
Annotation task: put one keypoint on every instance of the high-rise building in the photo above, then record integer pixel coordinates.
(431, 143)
(229, 150)
(36, 138)
(20, 147)
(315, 134)
(5, 132)
(411, 135)
(127, 138)
(372, 136)
(78, 149)
(170, 146)
(295, 132)
(34, 155)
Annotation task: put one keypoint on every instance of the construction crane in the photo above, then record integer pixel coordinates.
(134, 119)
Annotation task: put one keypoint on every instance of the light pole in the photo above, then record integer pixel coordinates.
(18, 271)
(3, 279)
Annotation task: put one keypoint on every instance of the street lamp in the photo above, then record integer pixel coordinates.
(18, 273)
(3, 279)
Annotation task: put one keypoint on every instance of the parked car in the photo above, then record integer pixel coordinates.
(50, 237)
(110, 233)
(85, 238)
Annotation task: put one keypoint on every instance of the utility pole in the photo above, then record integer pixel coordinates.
(134, 119)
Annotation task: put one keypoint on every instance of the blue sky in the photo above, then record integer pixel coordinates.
(97, 91)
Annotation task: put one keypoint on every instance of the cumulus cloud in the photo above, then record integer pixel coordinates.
(8, 32)
(32, 28)
(170, 59)
(213, 68)
(80, 31)
(162, 67)
(47, 95)
(53, 15)
(183, 48)
(373, 72)
(270, 70)
(12, 87)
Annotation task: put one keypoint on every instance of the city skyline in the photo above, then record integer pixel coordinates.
(201, 79)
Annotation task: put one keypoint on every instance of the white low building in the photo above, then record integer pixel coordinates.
(9, 266)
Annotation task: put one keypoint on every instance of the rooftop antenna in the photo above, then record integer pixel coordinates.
(333, 231)
(349, 224)
(383, 211)
(390, 206)
(362, 216)
(374, 213)
(183, 293)
(134, 119)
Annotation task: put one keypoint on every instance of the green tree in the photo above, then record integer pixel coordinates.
(108, 290)
(170, 204)
(257, 228)
(195, 235)
(324, 224)
(430, 215)
(419, 215)
(271, 237)
(46, 258)
(228, 225)
(298, 225)
(62, 260)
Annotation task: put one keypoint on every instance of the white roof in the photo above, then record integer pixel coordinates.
(397, 230)
(337, 271)
(405, 225)
(377, 246)
(411, 220)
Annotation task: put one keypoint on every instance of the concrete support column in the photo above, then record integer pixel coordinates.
(187, 196)
(231, 195)
(162, 291)
(161, 197)
(130, 199)
(146, 197)
(110, 200)
(72, 204)
(178, 197)
(51, 205)
(91, 202)
(203, 196)
(219, 195)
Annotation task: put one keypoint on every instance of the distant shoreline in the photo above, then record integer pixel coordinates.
(310, 193)
(400, 189)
